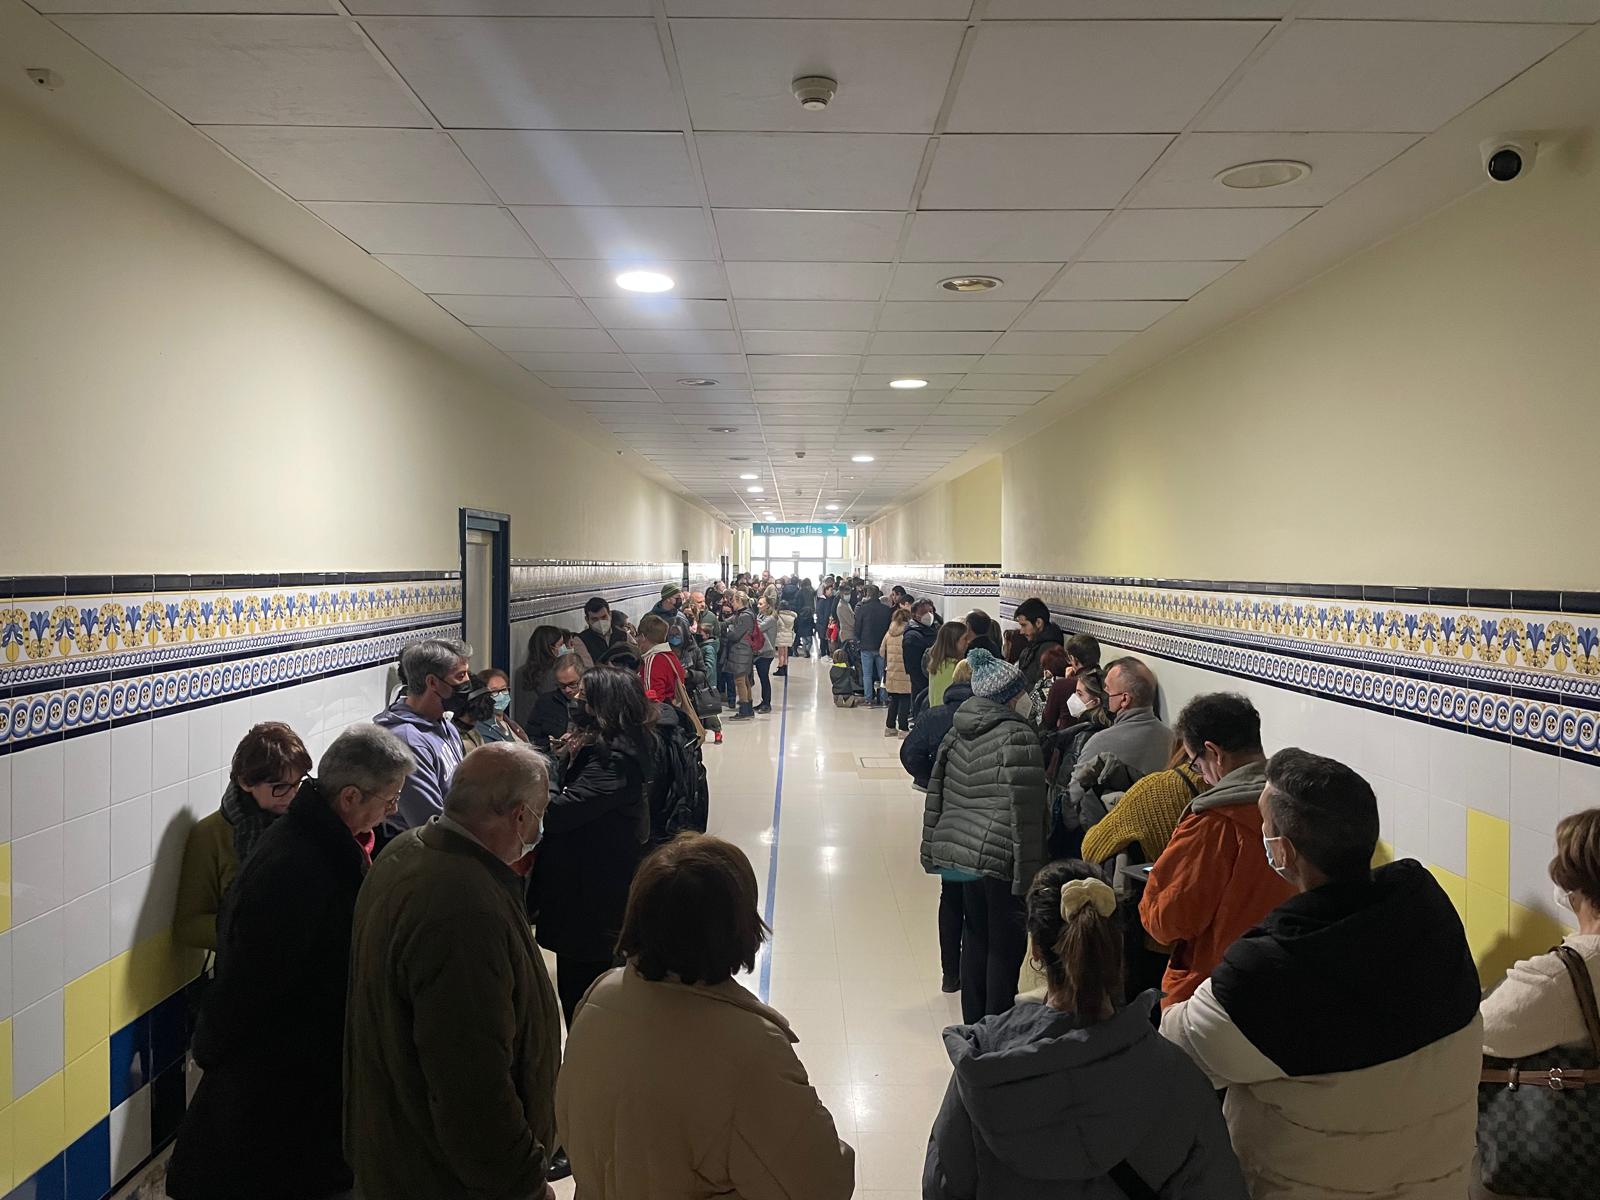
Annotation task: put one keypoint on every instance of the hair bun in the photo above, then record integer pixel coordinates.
(1078, 892)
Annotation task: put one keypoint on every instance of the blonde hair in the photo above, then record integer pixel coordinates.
(962, 673)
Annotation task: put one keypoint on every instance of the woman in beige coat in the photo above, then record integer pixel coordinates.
(678, 1083)
(896, 679)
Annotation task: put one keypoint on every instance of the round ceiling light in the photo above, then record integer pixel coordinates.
(747, 475)
(723, 428)
(755, 489)
(908, 384)
(1270, 173)
(831, 507)
(695, 382)
(969, 285)
(863, 458)
(644, 281)
(880, 428)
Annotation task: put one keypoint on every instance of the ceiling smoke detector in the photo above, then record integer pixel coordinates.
(723, 428)
(880, 429)
(815, 92)
(695, 382)
(969, 285)
(1270, 173)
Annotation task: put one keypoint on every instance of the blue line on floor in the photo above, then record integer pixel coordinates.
(772, 857)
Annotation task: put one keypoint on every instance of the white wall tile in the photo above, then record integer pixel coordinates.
(36, 960)
(161, 896)
(38, 787)
(1534, 783)
(5, 798)
(1410, 821)
(1447, 835)
(1447, 765)
(169, 750)
(86, 855)
(1411, 753)
(128, 898)
(1578, 787)
(38, 1043)
(88, 779)
(1377, 733)
(5, 975)
(205, 740)
(130, 836)
(1488, 768)
(172, 814)
(130, 1134)
(36, 874)
(86, 923)
(130, 761)
(233, 722)
(1531, 853)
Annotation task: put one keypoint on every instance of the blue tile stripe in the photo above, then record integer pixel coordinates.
(771, 906)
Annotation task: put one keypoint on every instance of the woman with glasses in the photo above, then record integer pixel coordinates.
(487, 717)
(268, 766)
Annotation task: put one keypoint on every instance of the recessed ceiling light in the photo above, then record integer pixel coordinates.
(1270, 173)
(740, 458)
(880, 429)
(906, 384)
(723, 428)
(644, 281)
(970, 284)
(831, 507)
(749, 476)
(861, 458)
(755, 489)
(693, 382)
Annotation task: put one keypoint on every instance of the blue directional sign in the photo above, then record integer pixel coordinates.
(803, 528)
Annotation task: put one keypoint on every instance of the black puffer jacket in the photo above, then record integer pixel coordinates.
(1028, 661)
(915, 643)
(596, 832)
(921, 747)
(872, 622)
(986, 812)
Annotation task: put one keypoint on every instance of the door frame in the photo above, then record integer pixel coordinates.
(498, 525)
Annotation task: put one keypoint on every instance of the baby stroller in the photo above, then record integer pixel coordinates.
(845, 675)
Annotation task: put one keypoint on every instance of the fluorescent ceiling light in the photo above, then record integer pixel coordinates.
(755, 489)
(861, 458)
(906, 384)
(1268, 174)
(831, 507)
(747, 475)
(644, 281)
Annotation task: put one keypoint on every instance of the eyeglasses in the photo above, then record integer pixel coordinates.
(1114, 695)
(390, 803)
(572, 688)
(280, 790)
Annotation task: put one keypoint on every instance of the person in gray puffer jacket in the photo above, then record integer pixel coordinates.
(984, 825)
(1077, 1098)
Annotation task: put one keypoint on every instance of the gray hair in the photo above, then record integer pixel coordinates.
(366, 757)
(1138, 680)
(435, 656)
(495, 780)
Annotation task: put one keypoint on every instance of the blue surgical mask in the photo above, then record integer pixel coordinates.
(675, 639)
(563, 650)
(502, 701)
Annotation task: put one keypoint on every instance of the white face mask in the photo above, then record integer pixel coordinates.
(600, 626)
(1024, 704)
(926, 619)
(1076, 706)
(529, 847)
(1266, 844)
(1563, 900)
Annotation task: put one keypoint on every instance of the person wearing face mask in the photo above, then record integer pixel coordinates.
(438, 684)
(452, 1034)
(487, 715)
(1083, 654)
(270, 1032)
(915, 641)
(670, 610)
(596, 631)
(1344, 1025)
(552, 713)
(984, 826)
(1211, 883)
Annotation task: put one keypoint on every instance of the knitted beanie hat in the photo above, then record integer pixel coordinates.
(669, 590)
(994, 678)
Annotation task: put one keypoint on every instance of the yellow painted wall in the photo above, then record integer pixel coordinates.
(1426, 413)
(176, 399)
(958, 521)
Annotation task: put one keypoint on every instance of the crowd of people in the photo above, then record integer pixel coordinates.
(1181, 973)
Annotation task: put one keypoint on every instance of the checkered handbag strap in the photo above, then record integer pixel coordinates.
(1578, 969)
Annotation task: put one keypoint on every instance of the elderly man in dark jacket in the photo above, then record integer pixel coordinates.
(266, 1119)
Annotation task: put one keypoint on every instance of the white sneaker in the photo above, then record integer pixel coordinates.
(888, 732)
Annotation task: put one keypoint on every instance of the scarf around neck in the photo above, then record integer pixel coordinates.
(248, 819)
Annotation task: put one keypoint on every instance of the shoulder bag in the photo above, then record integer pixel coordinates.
(1539, 1116)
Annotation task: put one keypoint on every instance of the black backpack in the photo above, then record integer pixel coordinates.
(680, 798)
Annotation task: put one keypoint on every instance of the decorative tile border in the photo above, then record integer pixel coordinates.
(549, 587)
(981, 581)
(974, 581)
(1525, 675)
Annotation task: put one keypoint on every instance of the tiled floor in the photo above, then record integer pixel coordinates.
(855, 951)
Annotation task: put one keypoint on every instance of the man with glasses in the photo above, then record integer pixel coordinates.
(438, 686)
(1212, 882)
(552, 712)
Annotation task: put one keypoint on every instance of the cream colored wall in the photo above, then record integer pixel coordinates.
(1426, 413)
(958, 521)
(175, 399)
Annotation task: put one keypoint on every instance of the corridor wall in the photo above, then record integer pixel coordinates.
(944, 543)
(231, 496)
(1368, 506)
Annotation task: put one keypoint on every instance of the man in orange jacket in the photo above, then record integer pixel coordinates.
(1213, 881)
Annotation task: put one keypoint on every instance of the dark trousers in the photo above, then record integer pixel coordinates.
(822, 646)
(950, 908)
(725, 681)
(764, 669)
(899, 714)
(574, 976)
(993, 943)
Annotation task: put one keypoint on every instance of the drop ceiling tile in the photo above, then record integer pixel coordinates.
(1001, 409)
(923, 316)
(591, 379)
(984, 419)
(919, 364)
(618, 234)
(948, 10)
(608, 395)
(1020, 281)
(464, 276)
(800, 235)
(1012, 398)
(1097, 314)
(677, 341)
(805, 364)
(805, 341)
(1099, 10)
(808, 280)
(534, 312)
(804, 396)
(970, 342)
(1062, 342)
(457, 229)
(181, 6)
(504, 73)
(542, 361)
(689, 364)
(1455, 10)
(1185, 234)
(531, 166)
(1186, 175)
(737, 73)
(1034, 171)
(1012, 383)
(1097, 76)
(1136, 280)
(806, 314)
(592, 341)
(880, 381)
(1379, 75)
(661, 312)
(730, 385)
(787, 381)
(1035, 364)
(979, 237)
(692, 280)
(322, 163)
(890, 403)
(730, 391)
(810, 170)
(252, 70)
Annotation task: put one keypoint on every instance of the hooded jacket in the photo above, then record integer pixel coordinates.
(845, 613)
(895, 678)
(1041, 1106)
(1028, 661)
(738, 656)
(436, 745)
(921, 747)
(986, 812)
(915, 643)
(1138, 737)
(1346, 1030)
(1212, 882)
(872, 622)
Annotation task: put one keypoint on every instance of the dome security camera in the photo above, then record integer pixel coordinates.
(815, 92)
(1508, 157)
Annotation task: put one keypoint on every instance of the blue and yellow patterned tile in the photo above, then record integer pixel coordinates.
(38, 1131)
(87, 1092)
